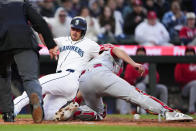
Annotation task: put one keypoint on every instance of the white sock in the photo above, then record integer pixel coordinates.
(20, 102)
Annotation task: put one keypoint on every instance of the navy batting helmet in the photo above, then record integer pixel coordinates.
(79, 23)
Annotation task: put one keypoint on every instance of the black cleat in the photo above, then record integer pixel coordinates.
(8, 117)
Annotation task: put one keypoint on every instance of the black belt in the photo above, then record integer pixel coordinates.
(70, 70)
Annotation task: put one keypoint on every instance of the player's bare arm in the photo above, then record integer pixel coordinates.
(124, 56)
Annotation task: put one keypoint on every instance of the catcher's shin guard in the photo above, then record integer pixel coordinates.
(157, 100)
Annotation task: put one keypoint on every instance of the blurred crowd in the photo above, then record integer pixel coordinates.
(144, 22)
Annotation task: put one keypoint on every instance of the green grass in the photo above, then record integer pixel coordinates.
(87, 128)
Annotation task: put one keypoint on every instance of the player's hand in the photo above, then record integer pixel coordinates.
(140, 68)
(54, 52)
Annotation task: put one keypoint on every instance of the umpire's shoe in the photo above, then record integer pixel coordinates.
(37, 110)
(8, 117)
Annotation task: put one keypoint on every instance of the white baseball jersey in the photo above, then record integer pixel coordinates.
(75, 54)
(62, 86)
(107, 59)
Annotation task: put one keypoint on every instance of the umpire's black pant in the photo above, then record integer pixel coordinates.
(28, 67)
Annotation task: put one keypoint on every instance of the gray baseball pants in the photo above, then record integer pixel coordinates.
(28, 66)
(101, 82)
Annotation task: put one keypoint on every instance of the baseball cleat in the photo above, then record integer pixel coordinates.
(177, 116)
(37, 112)
(66, 112)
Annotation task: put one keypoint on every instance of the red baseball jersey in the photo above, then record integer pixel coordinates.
(187, 33)
(185, 73)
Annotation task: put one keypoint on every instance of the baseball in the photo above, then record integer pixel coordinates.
(136, 116)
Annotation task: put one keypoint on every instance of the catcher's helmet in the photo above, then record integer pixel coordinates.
(79, 23)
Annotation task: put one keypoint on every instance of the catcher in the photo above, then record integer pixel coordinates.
(99, 79)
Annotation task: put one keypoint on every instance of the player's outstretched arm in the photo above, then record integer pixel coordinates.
(124, 56)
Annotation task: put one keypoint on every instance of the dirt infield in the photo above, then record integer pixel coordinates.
(111, 121)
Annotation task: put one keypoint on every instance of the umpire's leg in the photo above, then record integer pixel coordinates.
(6, 103)
(28, 66)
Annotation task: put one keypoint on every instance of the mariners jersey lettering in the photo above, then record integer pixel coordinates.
(72, 48)
(106, 59)
(75, 54)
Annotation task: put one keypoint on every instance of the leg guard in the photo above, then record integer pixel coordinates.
(157, 100)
